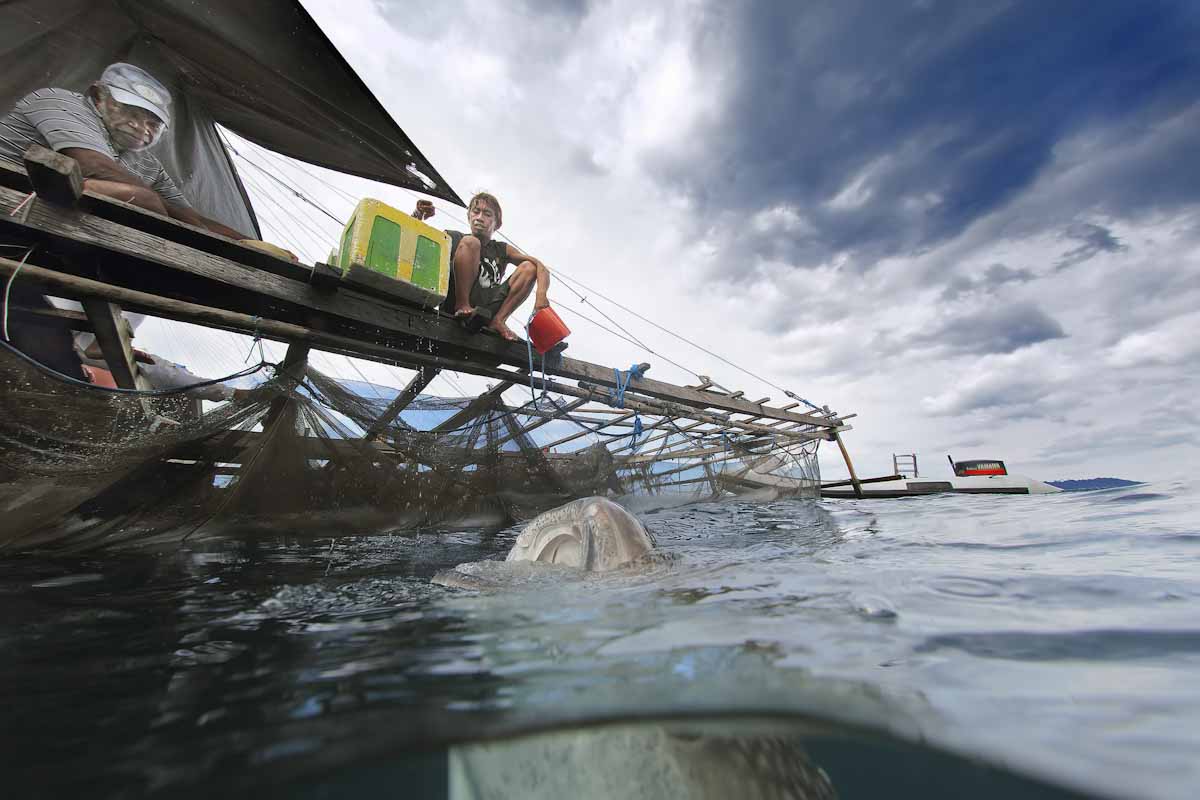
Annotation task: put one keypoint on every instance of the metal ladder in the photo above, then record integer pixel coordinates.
(902, 462)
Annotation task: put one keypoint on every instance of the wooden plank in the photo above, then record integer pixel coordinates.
(112, 335)
(181, 232)
(423, 378)
(881, 479)
(54, 177)
(849, 466)
(480, 405)
(52, 318)
(294, 364)
(380, 285)
(592, 373)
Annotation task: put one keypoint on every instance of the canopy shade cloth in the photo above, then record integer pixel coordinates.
(263, 69)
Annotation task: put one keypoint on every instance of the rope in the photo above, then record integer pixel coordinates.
(616, 398)
(529, 351)
(8, 290)
(256, 341)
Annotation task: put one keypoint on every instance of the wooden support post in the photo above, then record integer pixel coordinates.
(423, 378)
(846, 455)
(112, 335)
(295, 361)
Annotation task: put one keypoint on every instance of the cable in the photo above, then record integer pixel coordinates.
(315, 205)
(53, 373)
(8, 289)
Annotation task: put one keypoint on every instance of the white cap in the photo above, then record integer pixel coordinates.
(133, 86)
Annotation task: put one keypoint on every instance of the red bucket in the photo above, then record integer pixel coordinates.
(547, 329)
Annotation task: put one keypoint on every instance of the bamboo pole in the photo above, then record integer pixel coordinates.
(850, 466)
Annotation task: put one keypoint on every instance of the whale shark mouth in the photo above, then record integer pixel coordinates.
(562, 549)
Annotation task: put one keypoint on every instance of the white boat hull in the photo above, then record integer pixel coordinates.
(972, 484)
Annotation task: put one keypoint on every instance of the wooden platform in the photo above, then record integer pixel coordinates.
(114, 256)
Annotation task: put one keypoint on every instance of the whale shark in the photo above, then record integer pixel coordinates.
(592, 534)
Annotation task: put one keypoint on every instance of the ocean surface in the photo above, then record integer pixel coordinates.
(946, 646)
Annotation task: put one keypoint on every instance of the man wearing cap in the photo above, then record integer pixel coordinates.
(109, 131)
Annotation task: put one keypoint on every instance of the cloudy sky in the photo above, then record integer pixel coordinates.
(974, 224)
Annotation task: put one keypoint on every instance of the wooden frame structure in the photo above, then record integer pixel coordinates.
(121, 257)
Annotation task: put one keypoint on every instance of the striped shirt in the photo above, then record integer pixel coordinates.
(60, 119)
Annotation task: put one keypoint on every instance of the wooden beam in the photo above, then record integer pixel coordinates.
(423, 378)
(112, 335)
(480, 405)
(880, 479)
(59, 318)
(54, 177)
(849, 466)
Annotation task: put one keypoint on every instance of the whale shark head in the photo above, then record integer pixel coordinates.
(593, 533)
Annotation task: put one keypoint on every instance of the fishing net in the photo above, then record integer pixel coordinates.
(303, 453)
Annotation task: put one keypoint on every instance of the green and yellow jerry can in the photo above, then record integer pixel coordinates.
(382, 240)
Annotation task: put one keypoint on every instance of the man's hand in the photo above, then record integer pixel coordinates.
(540, 302)
(424, 209)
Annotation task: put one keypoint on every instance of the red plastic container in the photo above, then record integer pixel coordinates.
(547, 329)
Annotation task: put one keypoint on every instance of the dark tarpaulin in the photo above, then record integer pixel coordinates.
(261, 68)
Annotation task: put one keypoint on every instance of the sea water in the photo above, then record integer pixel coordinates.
(945, 646)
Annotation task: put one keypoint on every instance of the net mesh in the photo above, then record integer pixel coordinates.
(305, 453)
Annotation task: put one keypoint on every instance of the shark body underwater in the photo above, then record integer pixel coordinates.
(592, 534)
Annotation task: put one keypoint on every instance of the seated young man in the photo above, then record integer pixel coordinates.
(110, 132)
(477, 265)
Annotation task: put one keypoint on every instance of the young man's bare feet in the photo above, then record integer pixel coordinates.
(462, 312)
(502, 329)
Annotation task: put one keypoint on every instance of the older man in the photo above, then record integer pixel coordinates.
(110, 130)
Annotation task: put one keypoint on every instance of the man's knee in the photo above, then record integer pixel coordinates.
(470, 245)
(527, 269)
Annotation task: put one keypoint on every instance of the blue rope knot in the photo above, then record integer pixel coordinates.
(616, 398)
(637, 431)
(800, 399)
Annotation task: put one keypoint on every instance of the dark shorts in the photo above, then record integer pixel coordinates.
(490, 298)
